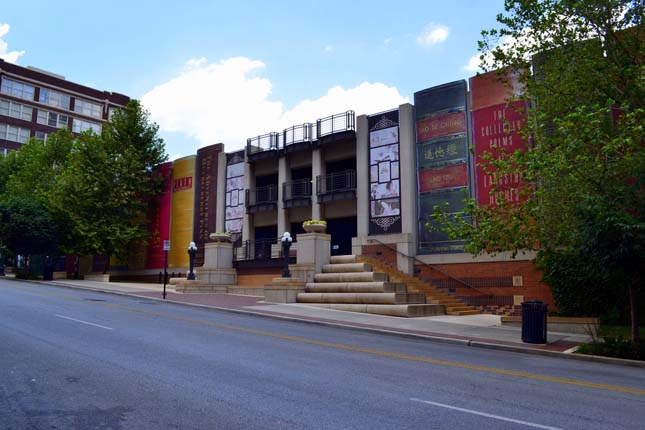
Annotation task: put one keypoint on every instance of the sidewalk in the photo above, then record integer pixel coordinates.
(470, 330)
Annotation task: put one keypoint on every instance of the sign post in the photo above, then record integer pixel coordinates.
(166, 248)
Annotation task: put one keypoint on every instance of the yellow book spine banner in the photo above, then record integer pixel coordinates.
(181, 211)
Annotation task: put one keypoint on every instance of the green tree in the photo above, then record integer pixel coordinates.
(108, 181)
(581, 65)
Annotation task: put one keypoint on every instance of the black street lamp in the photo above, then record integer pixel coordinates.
(1, 263)
(286, 245)
(192, 250)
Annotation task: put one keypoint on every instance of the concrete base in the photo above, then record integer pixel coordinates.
(304, 272)
(185, 286)
(96, 277)
(283, 290)
(406, 311)
(209, 275)
(60, 275)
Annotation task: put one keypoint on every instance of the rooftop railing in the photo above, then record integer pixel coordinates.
(265, 142)
(336, 124)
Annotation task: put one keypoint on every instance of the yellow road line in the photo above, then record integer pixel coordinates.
(376, 352)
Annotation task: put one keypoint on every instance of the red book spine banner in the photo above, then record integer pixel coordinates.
(441, 125)
(443, 177)
(159, 226)
(496, 131)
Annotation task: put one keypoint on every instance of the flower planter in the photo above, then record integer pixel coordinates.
(218, 237)
(314, 228)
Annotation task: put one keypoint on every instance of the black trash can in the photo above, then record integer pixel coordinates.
(534, 321)
(48, 269)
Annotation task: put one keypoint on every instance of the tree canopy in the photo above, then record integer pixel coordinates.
(581, 67)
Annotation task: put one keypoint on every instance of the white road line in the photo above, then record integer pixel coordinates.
(483, 414)
(83, 322)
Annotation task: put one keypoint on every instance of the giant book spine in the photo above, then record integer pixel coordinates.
(205, 197)
(443, 164)
(181, 211)
(159, 224)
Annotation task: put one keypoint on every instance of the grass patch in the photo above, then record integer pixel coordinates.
(619, 331)
(615, 341)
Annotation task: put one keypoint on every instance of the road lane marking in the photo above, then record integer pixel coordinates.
(83, 322)
(484, 414)
(455, 364)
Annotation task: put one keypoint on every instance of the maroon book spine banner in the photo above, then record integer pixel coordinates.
(443, 177)
(205, 197)
(497, 132)
(159, 226)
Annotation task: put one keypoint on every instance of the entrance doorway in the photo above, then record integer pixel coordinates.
(341, 230)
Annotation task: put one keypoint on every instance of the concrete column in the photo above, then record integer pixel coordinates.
(284, 175)
(317, 168)
(248, 229)
(408, 173)
(220, 211)
(362, 176)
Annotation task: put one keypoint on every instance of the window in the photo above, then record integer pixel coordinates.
(54, 98)
(52, 119)
(17, 89)
(88, 108)
(14, 134)
(79, 126)
(41, 135)
(111, 111)
(15, 110)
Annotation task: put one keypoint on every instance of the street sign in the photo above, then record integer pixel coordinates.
(166, 245)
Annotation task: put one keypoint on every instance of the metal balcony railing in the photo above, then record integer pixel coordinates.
(307, 132)
(297, 189)
(263, 143)
(337, 182)
(336, 124)
(262, 195)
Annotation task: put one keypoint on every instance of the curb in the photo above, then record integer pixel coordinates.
(439, 339)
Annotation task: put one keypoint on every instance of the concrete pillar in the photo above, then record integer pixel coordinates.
(220, 211)
(362, 176)
(313, 249)
(284, 175)
(408, 173)
(317, 169)
(248, 229)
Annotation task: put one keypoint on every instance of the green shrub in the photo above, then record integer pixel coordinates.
(616, 347)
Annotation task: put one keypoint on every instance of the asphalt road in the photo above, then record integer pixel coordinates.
(73, 359)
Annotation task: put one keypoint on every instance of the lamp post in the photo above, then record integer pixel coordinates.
(286, 245)
(1, 263)
(192, 250)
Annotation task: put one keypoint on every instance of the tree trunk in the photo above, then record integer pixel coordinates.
(633, 305)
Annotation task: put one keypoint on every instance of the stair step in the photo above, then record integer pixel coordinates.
(462, 313)
(408, 311)
(339, 259)
(362, 298)
(346, 267)
(458, 308)
(356, 287)
(351, 277)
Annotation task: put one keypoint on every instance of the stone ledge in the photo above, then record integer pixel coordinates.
(587, 326)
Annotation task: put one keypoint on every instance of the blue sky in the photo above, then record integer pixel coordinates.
(211, 71)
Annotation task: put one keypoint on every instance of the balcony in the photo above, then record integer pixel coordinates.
(296, 193)
(263, 146)
(336, 186)
(262, 199)
(335, 127)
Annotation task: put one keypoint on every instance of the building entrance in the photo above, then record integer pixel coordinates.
(341, 230)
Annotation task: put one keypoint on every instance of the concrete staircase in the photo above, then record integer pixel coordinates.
(349, 285)
(432, 294)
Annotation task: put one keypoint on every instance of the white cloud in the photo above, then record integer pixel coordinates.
(225, 102)
(433, 34)
(5, 54)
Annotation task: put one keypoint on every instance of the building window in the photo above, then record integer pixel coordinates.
(111, 111)
(17, 89)
(79, 126)
(14, 134)
(54, 98)
(41, 135)
(15, 110)
(52, 119)
(88, 108)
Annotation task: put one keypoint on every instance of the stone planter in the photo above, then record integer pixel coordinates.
(216, 237)
(314, 228)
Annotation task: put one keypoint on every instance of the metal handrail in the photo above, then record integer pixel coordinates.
(266, 194)
(298, 134)
(260, 249)
(430, 266)
(264, 142)
(336, 123)
(296, 189)
(336, 182)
